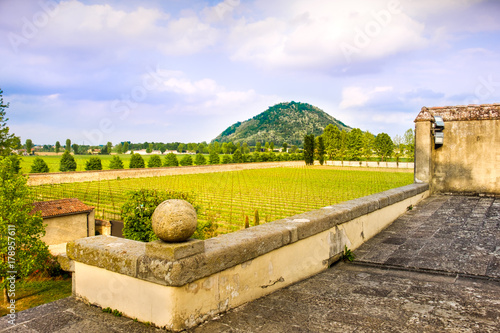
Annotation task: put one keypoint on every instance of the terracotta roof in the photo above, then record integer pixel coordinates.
(61, 207)
(461, 112)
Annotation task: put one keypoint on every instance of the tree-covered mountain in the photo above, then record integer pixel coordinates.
(283, 122)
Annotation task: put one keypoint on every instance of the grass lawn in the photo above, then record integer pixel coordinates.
(38, 291)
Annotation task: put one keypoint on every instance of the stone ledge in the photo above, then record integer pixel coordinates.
(143, 261)
(174, 251)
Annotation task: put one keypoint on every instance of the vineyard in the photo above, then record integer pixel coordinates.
(228, 197)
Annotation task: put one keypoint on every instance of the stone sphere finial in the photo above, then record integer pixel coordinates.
(174, 220)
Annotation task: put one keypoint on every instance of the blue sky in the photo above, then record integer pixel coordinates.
(97, 71)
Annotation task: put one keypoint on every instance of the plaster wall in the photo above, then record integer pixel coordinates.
(67, 228)
(467, 162)
(180, 307)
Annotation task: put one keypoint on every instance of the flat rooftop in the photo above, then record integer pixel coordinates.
(435, 269)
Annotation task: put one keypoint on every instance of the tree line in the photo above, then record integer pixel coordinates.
(356, 145)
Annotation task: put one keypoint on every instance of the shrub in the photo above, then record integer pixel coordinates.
(186, 160)
(136, 162)
(94, 163)
(154, 161)
(213, 158)
(237, 157)
(200, 159)
(116, 163)
(39, 166)
(67, 162)
(137, 211)
(171, 160)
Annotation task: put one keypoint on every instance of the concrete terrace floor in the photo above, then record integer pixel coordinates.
(435, 269)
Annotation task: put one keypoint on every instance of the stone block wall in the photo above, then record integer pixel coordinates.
(469, 159)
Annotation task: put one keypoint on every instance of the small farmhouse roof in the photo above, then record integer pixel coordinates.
(61, 207)
(461, 112)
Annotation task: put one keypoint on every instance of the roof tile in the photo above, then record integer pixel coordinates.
(60, 207)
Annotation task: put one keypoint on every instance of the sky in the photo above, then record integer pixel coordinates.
(184, 70)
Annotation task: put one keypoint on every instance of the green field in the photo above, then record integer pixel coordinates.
(227, 197)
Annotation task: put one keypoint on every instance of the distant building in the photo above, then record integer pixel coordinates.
(66, 220)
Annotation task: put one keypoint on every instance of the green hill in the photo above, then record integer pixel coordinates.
(284, 122)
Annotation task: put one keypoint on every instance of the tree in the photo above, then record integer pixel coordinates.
(383, 145)
(76, 148)
(309, 149)
(342, 146)
(180, 147)
(171, 160)
(245, 148)
(29, 146)
(109, 146)
(6, 138)
(16, 143)
(213, 158)
(217, 147)
(224, 147)
(271, 146)
(39, 166)
(186, 160)
(266, 146)
(200, 160)
(368, 142)
(67, 162)
(58, 147)
(226, 159)
(409, 143)
(162, 147)
(321, 150)
(137, 211)
(154, 161)
(136, 162)
(354, 144)
(94, 163)
(21, 231)
(285, 147)
(257, 146)
(398, 148)
(68, 145)
(237, 156)
(116, 163)
(125, 147)
(119, 148)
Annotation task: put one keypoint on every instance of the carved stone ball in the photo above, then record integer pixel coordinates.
(174, 220)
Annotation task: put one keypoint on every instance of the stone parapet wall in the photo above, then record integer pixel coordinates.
(228, 270)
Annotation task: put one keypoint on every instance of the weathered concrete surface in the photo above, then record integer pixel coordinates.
(350, 298)
(452, 234)
(359, 298)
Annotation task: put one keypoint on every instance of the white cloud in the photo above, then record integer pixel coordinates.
(315, 34)
(358, 96)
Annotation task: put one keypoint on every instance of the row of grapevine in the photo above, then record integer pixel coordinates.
(228, 197)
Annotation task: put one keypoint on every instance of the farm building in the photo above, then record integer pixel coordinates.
(66, 220)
